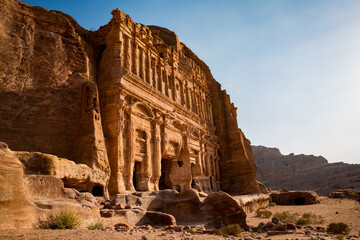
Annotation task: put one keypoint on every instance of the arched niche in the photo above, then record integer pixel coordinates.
(142, 109)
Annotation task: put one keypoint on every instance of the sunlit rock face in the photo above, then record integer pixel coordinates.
(129, 101)
(304, 172)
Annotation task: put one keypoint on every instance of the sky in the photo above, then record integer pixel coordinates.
(291, 67)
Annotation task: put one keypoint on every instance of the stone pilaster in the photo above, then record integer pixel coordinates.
(130, 162)
(157, 153)
(128, 52)
(136, 59)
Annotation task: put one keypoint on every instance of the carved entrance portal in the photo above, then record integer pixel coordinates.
(137, 175)
(164, 182)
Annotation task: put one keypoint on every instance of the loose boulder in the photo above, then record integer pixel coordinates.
(224, 210)
(184, 206)
(160, 219)
(15, 209)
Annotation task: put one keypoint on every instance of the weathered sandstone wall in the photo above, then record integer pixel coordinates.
(48, 101)
(130, 101)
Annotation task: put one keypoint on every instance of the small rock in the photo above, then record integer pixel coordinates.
(309, 227)
(290, 226)
(106, 213)
(176, 228)
(275, 220)
(261, 225)
(144, 237)
(279, 227)
(269, 225)
(187, 227)
(320, 229)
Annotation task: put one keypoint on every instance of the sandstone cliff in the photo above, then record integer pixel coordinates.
(48, 101)
(303, 172)
(130, 101)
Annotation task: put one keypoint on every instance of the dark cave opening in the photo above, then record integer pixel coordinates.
(299, 201)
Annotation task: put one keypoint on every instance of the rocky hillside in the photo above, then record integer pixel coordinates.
(303, 172)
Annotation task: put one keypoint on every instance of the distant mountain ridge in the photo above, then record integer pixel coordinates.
(303, 172)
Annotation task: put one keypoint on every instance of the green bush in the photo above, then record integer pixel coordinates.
(287, 217)
(190, 231)
(272, 204)
(65, 220)
(313, 218)
(338, 228)
(263, 213)
(233, 229)
(303, 221)
(96, 226)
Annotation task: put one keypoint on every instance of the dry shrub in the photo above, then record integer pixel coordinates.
(64, 220)
(338, 228)
(233, 229)
(263, 213)
(96, 226)
(313, 218)
(286, 216)
(303, 221)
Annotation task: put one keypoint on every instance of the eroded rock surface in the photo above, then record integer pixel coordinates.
(224, 210)
(294, 197)
(303, 172)
(73, 175)
(15, 208)
(129, 101)
(27, 200)
(48, 100)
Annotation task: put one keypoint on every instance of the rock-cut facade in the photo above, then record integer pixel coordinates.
(130, 101)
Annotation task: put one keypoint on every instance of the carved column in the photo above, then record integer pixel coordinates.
(202, 157)
(136, 59)
(113, 131)
(188, 97)
(172, 85)
(157, 153)
(118, 49)
(166, 84)
(141, 64)
(148, 68)
(154, 73)
(211, 115)
(128, 54)
(130, 161)
(160, 78)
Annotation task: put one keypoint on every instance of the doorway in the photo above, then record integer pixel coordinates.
(137, 169)
(164, 182)
(97, 191)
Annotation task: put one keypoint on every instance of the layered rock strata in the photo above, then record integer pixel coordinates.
(304, 172)
(27, 200)
(129, 101)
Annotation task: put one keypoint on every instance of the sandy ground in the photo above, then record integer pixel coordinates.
(332, 210)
